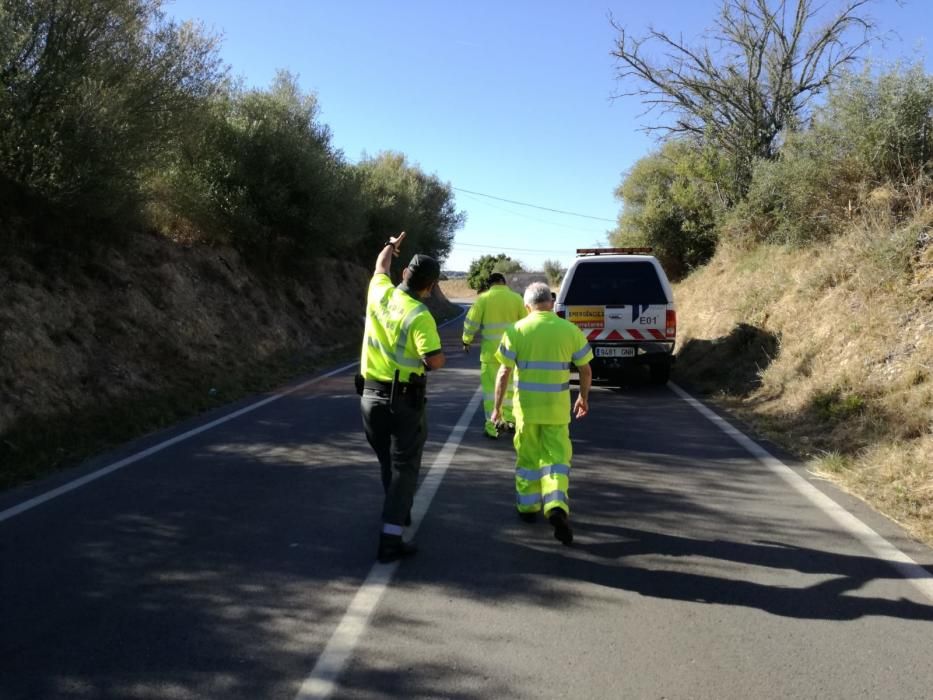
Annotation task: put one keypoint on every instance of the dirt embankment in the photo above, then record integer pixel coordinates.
(96, 351)
(829, 352)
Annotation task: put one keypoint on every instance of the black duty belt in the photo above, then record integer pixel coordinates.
(375, 385)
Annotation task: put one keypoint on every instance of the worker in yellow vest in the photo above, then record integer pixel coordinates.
(493, 311)
(540, 350)
(400, 342)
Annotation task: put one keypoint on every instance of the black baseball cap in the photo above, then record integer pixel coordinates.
(425, 271)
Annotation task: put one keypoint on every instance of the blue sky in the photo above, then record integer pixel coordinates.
(507, 98)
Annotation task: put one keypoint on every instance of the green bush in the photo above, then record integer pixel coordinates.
(482, 267)
(873, 133)
(670, 202)
(398, 197)
(265, 176)
(837, 405)
(95, 94)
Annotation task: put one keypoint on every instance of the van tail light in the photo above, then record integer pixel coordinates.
(670, 330)
(561, 313)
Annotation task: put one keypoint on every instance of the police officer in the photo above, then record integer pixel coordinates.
(493, 311)
(400, 343)
(540, 349)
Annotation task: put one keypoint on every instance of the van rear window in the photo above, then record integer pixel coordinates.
(615, 284)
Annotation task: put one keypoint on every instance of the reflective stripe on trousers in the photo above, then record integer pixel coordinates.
(542, 467)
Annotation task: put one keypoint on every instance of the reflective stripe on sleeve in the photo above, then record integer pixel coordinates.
(507, 353)
(582, 352)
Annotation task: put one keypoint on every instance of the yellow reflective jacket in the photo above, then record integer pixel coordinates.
(493, 311)
(541, 348)
(400, 332)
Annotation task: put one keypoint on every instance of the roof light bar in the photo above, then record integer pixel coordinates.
(614, 251)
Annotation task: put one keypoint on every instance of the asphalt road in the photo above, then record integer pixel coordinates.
(223, 565)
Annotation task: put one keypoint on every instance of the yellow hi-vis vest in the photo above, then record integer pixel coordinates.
(540, 348)
(400, 331)
(493, 311)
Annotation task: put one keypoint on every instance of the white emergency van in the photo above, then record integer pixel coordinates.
(622, 301)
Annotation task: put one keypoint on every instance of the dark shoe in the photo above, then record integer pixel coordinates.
(393, 547)
(528, 517)
(562, 532)
(510, 427)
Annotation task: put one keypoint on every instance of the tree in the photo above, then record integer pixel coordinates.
(482, 267)
(771, 61)
(508, 266)
(870, 143)
(399, 196)
(671, 204)
(94, 95)
(554, 271)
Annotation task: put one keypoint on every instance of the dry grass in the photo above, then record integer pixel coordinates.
(842, 337)
(457, 289)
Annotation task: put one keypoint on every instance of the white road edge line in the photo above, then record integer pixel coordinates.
(322, 681)
(109, 469)
(878, 545)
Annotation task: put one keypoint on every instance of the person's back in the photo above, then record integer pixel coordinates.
(544, 346)
(540, 349)
(400, 342)
(494, 311)
(498, 308)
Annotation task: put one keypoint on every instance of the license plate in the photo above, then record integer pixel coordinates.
(614, 352)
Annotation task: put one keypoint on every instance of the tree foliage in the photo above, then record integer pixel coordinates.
(671, 204)
(554, 271)
(112, 114)
(482, 267)
(93, 93)
(871, 143)
(265, 176)
(399, 196)
(754, 78)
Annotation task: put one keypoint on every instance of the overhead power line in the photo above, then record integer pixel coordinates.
(537, 219)
(534, 206)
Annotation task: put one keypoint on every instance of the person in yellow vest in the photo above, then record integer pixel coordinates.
(400, 342)
(493, 311)
(540, 350)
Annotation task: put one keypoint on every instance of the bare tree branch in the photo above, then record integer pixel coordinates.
(755, 75)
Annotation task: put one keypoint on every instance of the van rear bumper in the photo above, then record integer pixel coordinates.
(645, 353)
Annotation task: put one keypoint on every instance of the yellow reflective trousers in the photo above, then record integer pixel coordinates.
(487, 375)
(542, 467)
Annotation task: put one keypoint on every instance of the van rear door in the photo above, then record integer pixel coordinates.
(617, 300)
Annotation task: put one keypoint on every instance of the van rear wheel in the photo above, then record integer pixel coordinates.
(660, 373)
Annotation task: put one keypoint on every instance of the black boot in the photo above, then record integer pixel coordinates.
(528, 517)
(392, 547)
(558, 519)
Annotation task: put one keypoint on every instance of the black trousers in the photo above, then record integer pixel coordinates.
(398, 439)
